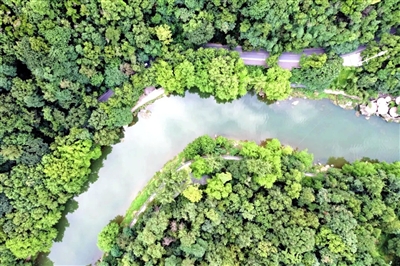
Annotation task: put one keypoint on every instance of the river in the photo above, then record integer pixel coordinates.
(323, 128)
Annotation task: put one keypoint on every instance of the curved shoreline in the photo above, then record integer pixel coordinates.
(148, 98)
(185, 165)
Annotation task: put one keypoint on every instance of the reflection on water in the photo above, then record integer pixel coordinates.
(326, 130)
(337, 162)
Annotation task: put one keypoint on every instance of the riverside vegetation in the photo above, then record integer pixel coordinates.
(57, 58)
(264, 209)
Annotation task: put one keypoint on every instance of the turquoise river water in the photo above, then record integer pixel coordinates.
(323, 128)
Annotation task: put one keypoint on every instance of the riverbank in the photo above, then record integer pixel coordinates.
(271, 167)
(149, 94)
(389, 106)
(144, 199)
(175, 121)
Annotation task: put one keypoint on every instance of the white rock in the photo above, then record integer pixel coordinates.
(398, 100)
(388, 99)
(367, 117)
(383, 109)
(393, 112)
(295, 103)
(371, 109)
(381, 101)
(277, 102)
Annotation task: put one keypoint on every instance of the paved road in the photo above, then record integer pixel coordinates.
(289, 60)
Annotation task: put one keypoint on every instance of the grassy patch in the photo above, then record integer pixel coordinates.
(313, 95)
(137, 203)
(148, 190)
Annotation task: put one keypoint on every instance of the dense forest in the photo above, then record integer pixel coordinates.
(271, 207)
(58, 57)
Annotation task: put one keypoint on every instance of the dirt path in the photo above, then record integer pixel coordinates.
(148, 98)
(341, 93)
(186, 164)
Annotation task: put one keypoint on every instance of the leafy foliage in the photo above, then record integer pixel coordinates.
(316, 72)
(107, 237)
(339, 217)
(57, 58)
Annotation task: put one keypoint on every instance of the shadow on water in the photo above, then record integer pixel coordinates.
(337, 162)
(118, 219)
(43, 260)
(95, 168)
(72, 205)
(204, 95)
(265, 100)
(367, 159)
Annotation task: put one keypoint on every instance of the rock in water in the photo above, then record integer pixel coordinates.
(295, 103)
(393, 112)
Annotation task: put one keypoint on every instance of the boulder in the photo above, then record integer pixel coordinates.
(388, 99)
(383, 109)
(381, 101)
(393, 112)
(398, 100)
(371, 108)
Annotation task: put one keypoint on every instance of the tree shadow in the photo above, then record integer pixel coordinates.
(337, 162)
(43, 260)
(264, 99)
(118, 219)
(367, 159)
(71, 206)
(95, 167)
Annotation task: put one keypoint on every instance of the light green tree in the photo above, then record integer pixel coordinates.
(192, 193)
(107, 237)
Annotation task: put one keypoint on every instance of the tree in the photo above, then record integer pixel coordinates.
(200, 167)
(216, 187)
(23, 247)
(192, 193)
(317, 74)
(106, 239)
(163, 33)
(277, 85)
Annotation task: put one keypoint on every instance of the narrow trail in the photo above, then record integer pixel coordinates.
(148, 98)
(328, 91)
(183, 166)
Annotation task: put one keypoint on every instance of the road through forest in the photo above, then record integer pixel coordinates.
(289, 60)
(257, 58)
